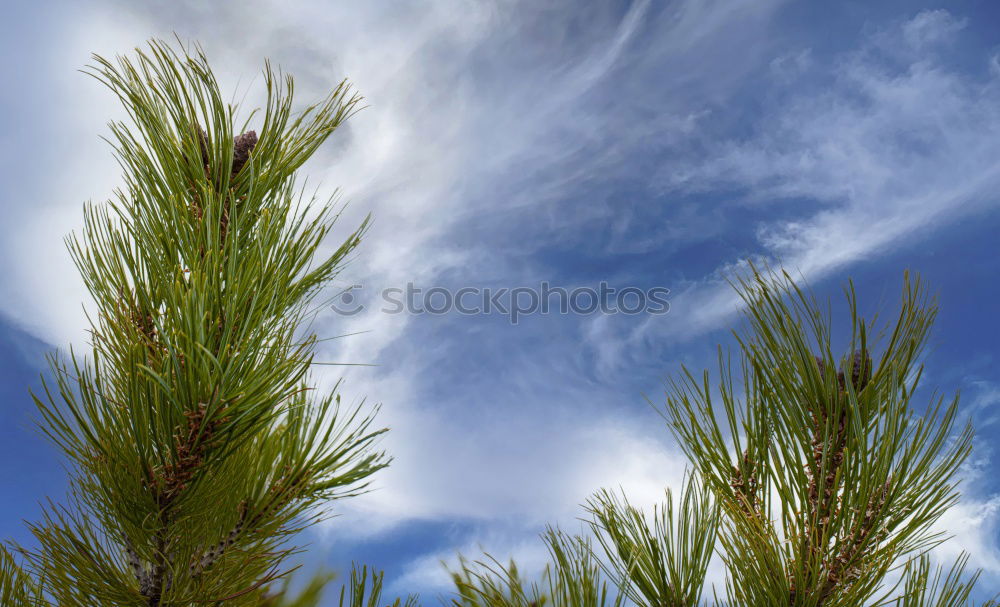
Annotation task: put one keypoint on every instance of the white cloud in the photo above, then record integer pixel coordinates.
(880, 156)
(473, 108)
(444, 130)
(931, 27)
(503, 462)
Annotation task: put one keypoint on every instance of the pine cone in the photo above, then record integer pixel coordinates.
(242, 147)
(203, 145)
(202, 136)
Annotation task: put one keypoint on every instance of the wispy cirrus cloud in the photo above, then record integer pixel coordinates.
(476, 110)
(879, 147)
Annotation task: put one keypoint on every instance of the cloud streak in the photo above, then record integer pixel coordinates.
(895, 142)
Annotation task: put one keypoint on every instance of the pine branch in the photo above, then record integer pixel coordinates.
(837, 477)
(198, 445)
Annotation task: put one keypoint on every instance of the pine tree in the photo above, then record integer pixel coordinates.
(197, 444)
(827, 472)
(815, 476)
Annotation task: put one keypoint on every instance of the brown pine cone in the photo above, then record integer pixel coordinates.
(242, 147)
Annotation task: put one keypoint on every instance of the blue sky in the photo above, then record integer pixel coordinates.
(510, 142)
